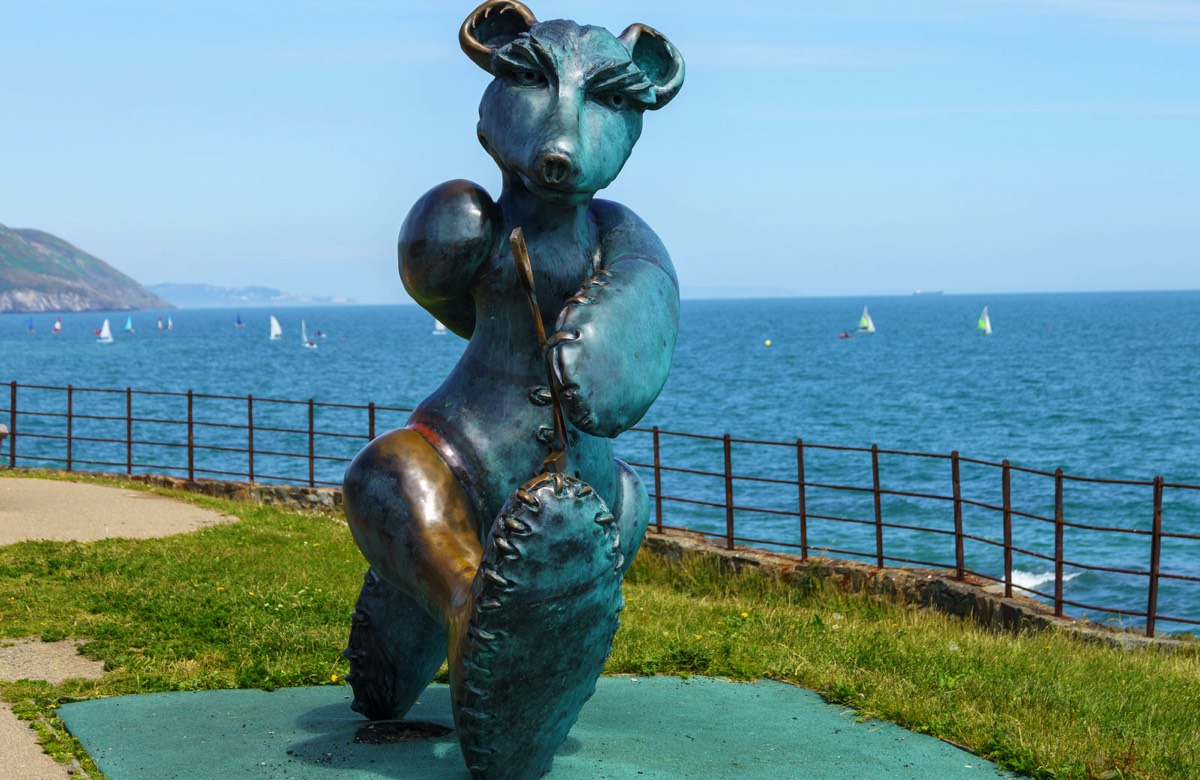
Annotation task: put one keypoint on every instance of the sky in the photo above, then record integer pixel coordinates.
(816, 149)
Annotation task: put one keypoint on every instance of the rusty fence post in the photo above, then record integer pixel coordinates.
(12, 427)
(311, 445)
(1155, 556)
(878, 506)
(70, 425)
(1006, 491)
(250, 438)
(728, 493)
(1058, 542)
(803, 499)
(657, 483)
(960, 566)
(128, 430)
(371, 421)
(191, 440)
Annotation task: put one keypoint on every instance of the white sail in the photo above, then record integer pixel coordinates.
(105, 334)
(276, 331)
(57, 325)
(438, 328)
(865, 323)
(985, 322)
(304, 339)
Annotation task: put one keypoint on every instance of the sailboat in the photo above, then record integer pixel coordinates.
(438, 328)
(129, 324)
(276, 331)
(105, 334)
(985, 322)
(238, 322)
(29, 327)
(57, 325)
(304, 339)
(161, 326)
(865, 324)
(170, 325)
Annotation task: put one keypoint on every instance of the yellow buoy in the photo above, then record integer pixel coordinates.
(767, 342)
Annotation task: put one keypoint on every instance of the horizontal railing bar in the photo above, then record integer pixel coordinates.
(826, 486)
(836, 519)
(914, 562)
(1170, 535)
(906, 494)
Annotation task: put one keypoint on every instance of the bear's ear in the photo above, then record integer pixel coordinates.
(658, 59)
(492, 25)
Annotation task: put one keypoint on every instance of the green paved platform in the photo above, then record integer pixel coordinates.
(660, 727)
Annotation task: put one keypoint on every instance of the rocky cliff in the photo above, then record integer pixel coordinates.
(41, 272)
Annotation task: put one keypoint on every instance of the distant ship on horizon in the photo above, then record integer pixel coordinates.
(919, 291)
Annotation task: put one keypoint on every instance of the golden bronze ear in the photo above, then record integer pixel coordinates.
(659, 60)
(491, 26)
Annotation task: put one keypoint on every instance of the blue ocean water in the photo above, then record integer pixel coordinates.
(1101, 385)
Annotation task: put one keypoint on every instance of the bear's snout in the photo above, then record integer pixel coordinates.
(555, 169)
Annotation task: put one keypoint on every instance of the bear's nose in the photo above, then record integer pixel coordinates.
(556, 168)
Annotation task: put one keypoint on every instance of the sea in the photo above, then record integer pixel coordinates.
(1100, 385)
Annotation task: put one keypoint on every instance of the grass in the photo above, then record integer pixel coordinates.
(264, 603)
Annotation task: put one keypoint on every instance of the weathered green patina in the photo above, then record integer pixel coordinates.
(497, 534)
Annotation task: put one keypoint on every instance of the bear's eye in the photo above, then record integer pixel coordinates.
(529, 78)
(616, 101)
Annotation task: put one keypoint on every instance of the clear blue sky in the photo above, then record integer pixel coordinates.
(817, 148)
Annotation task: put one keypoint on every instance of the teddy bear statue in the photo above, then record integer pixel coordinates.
(497, 523)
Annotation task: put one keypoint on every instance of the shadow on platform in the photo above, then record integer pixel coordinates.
(659, 727)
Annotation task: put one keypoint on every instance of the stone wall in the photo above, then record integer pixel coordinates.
(973, 598)
(308, 499)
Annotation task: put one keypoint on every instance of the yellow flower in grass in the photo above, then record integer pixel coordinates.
(333, 678)
(745, 614)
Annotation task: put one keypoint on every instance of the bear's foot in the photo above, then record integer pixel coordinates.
(544, 609)
(394, 650)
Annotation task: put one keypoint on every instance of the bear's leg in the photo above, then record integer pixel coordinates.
(544, 609)
(395, 649)
(414, 523)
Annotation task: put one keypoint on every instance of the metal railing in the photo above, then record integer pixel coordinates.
(258, 439)
(786, 495)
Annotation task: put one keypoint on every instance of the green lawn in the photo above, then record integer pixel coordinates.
(161, 613)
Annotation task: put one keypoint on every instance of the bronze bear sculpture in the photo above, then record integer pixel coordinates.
(498, 524)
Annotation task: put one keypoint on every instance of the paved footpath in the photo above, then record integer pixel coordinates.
(69, 511)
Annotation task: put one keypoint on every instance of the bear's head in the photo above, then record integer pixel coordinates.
(565, 108)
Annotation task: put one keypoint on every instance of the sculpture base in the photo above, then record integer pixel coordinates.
(658, 727)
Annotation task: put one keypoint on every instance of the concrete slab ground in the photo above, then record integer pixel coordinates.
(644, 728)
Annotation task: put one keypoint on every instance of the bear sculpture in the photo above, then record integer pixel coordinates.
(498, 524)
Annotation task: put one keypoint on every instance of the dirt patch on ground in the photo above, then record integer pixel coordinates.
(55, 662)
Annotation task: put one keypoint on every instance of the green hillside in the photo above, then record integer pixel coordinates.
(41, 272)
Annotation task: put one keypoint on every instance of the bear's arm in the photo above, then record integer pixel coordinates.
(615, 337)
(445, 238)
